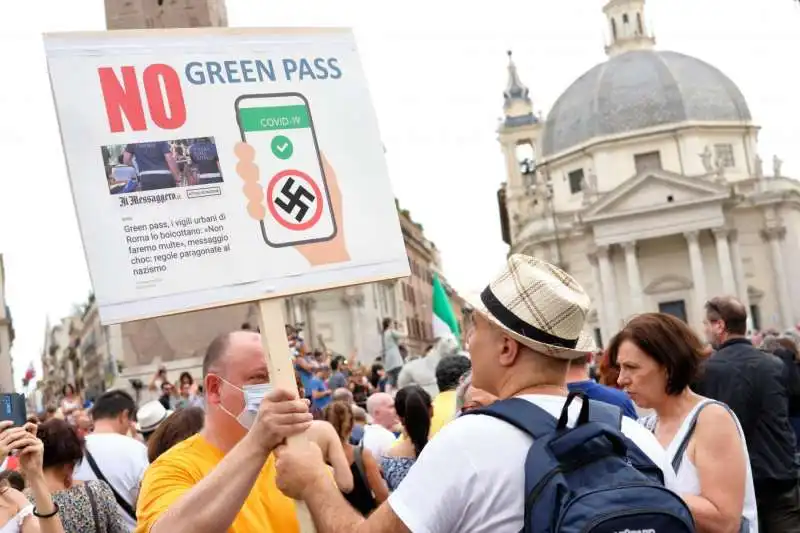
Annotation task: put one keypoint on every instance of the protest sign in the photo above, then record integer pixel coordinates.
(176, 213)
(211, 167)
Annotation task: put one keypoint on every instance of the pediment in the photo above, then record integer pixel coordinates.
(668, 283)
(655, 190)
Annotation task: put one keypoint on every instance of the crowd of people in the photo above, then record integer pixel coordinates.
(666, 431)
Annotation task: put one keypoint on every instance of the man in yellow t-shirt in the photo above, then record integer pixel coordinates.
(449, 372)
(223, 479)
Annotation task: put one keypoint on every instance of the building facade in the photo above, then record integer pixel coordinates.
(61, 361)
(646, 184)
(138, 14)
(6, 337)
(417, 289)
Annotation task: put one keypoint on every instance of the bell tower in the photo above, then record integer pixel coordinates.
(519, 135)
(627, 27)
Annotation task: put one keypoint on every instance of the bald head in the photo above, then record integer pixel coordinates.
(226, 345)
(378, 400)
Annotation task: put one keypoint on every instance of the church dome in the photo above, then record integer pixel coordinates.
(641, 89)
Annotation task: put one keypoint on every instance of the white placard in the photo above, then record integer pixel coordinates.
(176, 212)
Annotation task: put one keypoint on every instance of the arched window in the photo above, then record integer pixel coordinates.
(639, 23)
(624, 18)
(614, 29)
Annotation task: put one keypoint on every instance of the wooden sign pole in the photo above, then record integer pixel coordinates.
(281, 374)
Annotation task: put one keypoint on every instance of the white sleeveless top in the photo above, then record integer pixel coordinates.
(14, 525)
(687, 480)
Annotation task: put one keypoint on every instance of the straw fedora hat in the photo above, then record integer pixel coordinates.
(540, 306)
(150, 415)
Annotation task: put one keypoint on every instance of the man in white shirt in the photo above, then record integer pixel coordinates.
(528, 325)
(378, 436)
(120, 459)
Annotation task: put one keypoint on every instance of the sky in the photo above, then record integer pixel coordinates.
(436, 70)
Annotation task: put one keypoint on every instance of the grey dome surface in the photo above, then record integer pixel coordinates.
(641, 89)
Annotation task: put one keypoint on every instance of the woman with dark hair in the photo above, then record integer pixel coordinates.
(658, 357)
(377, 377)
(368, 489)
(83, 507)
(17, 514)
(176, 428)
(415, 410)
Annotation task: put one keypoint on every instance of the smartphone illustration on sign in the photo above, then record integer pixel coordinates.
(280, 129)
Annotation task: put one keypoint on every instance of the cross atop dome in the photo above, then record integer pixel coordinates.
(627, 27)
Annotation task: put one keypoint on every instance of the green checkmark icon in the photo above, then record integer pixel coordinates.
(282, 147)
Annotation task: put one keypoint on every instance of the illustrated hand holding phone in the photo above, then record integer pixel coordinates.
(292, 189)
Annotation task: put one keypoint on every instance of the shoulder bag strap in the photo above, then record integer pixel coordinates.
(678, 459)
(120, 500)
(93, 505)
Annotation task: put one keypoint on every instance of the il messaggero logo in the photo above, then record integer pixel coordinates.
(636, 531)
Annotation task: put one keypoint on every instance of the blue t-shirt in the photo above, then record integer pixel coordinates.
(150, 157)
(204, 155)
(605, 394)
(318, 385)
(337, 381)
(305, 378)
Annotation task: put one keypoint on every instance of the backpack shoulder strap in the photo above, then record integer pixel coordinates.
(679, 453)
(605, 413)
(521, 414)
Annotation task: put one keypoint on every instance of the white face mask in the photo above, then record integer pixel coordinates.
(253, 395)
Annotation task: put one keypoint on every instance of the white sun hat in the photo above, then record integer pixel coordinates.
(150, 415)
(540, 306)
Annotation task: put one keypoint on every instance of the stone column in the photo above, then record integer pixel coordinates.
(308, 303)
(738, 269)
(698, 274)
(774, 236)
(354, 299)
(609, 289)
(739, 276)
(555, 256)
(510, 152)
(634, 277)
(600, 300)
(724, 260)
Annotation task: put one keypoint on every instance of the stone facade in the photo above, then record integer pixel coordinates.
(6, 338)
(61, 361)
(137, 14)
(661, 215)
